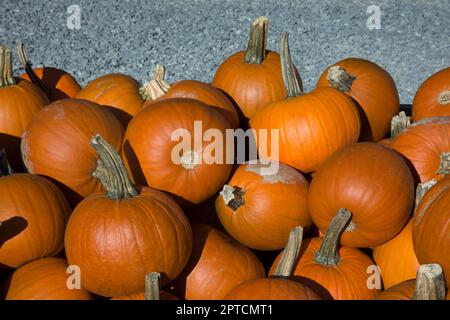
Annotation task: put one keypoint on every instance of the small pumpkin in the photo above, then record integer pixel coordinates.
(426, 146)
(371, 87)
(428, 285)
(56, 144)
(371, 181)
(432, 99)
(253, 77)
(217, 265)
(304, 141)
(44, 279)
(260, 208)
(118, 237)
(56, 83)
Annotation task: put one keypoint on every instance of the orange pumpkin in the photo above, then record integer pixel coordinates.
(371, 181)
(426, 146)
(19, 101)
(56, 144)
(152, 290)
(56, 83)
(45, 279)
(260, 208)
(176, 159)
(118, 237)
(304, 141)
(253, 77)
(432, 99)
(371, 87)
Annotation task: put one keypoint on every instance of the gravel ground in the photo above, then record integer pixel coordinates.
(192, 37)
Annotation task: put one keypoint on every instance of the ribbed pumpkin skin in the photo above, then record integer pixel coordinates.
(425, 103)
(251, 86)
(119, 92)
(56, 144)
(371, 181)
(44, 279)
(402, 291)
(375, 92)
(272, 289)
(61, 84)
(305, 142)
(431, 230)
(43, 212)
(205, 93)
(116, 243)
(217, 265)
(150, 160)
(396, 258)
(422, 143)
(18, 104)
(274, 204)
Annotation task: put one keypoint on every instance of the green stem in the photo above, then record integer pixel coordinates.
(399, 123)
(289, 258)
(430, 284)
(340, 79)
(152, 286)
(26, 64)
(291, 82)
(6, 72)
(422, 189)
(157, 87)
(257, 42)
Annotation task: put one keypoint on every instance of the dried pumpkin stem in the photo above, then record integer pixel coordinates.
(5, 167)
(6, 72)
(157, 87)
(444, 167)
(399, 123)
(430, 284)
(328, 254)
(444, 97)
(152, 286)
(257, 42)
(26, 64)
(291, 82)
(340, 79)
(290, 254)
(422, 189)
(233, 197)
(111, 171)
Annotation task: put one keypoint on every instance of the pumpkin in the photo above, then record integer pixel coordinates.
(259, 208)
(279, 286)
(371, 87)
(371, 181)
(19, 101)
(118, 237)
(56, 83)
(426, 146)
(217, 265)
(158, 89)
(398, 123)
(152, 290)
(253, 78)
(178, 158)
(33, 216)
(56, 144)
(304, 141)
(429, 285)
(342, 271)
(44, 279)
(431, 229)
(396, 258)
(432, 99)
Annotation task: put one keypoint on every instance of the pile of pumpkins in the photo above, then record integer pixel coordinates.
(92, 205)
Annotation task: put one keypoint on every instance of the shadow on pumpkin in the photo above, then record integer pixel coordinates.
(123, 117)
(11, 144)
(11, 228)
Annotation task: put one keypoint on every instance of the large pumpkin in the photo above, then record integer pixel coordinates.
(217, 265)
(426, 145)
(152, 290)
(371, 181)
(19, 101)
(371, 87)
(56, 144)
(259, 208)
(118, 237)
(432, 99)
(431, 230)
(253, 77)
(168, 147)
(304, 141)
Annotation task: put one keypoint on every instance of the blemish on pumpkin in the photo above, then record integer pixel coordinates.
(285, 174)
(59, 113)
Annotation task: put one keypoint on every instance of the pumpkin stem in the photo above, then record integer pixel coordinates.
(399, 123)
(152, 286)
(291, 82)
(157, 87)
(233, 196)
(290, 253)
(6, 72)
(422, 189)
(444, 167)
(444, 97)
(111, 171)
(5, 167)
(26, 64)
(257, 41)
(328, 254)
(430, 284)
(340, 79)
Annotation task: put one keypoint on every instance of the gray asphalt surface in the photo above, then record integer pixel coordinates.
(192, 37)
